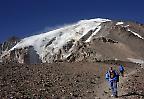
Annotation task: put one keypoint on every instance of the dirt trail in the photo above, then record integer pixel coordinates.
(103, 92)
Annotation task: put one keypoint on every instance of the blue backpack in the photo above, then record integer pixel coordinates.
(121, 68)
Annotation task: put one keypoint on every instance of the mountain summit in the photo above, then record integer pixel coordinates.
(90, 40)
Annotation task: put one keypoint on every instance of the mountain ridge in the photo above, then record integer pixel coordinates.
(63, 43)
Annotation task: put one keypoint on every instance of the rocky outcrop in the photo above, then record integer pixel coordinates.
(106, 40)
(7, 45)
(26, 55)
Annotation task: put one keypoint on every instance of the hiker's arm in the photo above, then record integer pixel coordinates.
(107, 77)
(116, 77)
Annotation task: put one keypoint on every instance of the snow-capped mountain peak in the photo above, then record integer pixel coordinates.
(51, 42)
(87, 40)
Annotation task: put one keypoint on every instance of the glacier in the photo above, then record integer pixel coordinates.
(50, 42)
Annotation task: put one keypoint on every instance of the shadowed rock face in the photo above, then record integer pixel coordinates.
(7, 45)
(27, 55)
(111, 42)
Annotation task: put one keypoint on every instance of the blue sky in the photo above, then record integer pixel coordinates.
(28, 17)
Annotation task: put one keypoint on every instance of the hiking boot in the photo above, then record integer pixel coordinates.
(116, 96)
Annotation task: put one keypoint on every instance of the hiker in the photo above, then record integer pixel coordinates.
(121, 69)
(112, 77)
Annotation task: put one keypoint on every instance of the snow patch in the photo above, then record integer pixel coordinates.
(97, 20)
(89, 39)
(136, 34)
(136, 60)
(119, 23)
(126, 26)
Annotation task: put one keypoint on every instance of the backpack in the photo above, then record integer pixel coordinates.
(121, 68)
(107, 76)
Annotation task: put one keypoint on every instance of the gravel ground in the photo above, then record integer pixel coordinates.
(61, 81)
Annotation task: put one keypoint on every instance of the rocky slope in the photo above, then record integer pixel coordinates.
(133, 88)
(80, 80)
(89, 40)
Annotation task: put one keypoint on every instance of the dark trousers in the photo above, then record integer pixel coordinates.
(113, 85)
(122, 73)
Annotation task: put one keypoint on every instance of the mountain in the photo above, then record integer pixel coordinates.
(87, 40)
(79, 55)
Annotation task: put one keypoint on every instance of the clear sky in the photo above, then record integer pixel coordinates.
(23, 18)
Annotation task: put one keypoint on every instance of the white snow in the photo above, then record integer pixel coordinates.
(126, 26)
(61, 36)
(136, 34)
(98, 20)
(119, 23)
(89, 39)
(136, 60)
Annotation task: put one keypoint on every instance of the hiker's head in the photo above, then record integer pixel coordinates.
(111, 69)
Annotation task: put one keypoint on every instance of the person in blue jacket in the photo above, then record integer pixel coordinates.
(112, 77)
(121, 69)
